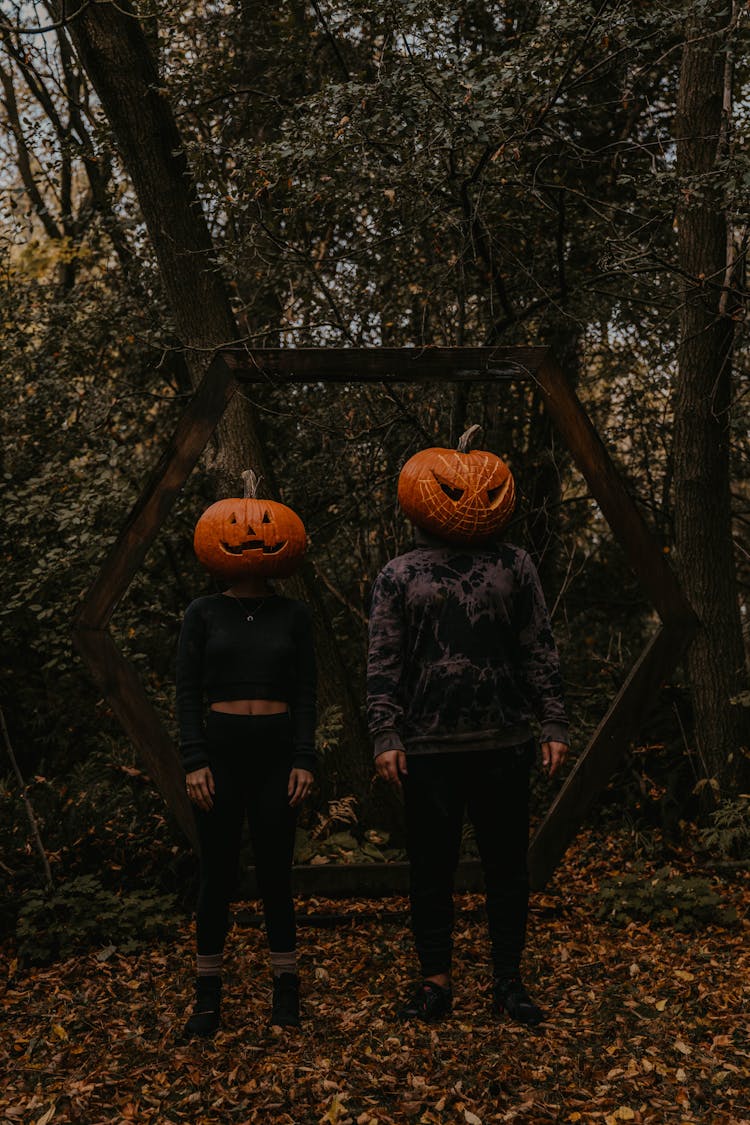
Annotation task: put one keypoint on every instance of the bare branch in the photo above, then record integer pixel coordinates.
(29, 810)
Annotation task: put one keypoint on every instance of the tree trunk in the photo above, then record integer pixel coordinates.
(702, 406)
(113, 48)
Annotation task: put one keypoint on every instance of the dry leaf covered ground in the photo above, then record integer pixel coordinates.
(644, 1025)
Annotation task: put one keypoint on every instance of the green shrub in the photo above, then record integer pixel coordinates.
(103, 817)
(728, 834)
(685, 902)
(81, 913)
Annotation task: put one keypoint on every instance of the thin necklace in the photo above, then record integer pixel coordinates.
(250, 616)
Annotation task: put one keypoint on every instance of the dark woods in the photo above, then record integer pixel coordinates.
(553, 174)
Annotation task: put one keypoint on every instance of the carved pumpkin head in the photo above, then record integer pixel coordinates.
(239, 537)
(460, 495)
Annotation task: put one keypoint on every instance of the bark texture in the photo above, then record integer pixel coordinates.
(115, 52)
(702, 503)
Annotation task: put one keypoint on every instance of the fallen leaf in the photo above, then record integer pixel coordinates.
(335, 1111)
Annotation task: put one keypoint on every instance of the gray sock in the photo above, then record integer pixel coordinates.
(284, 962)
(209, 964)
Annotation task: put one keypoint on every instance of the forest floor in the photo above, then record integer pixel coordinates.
(644, 1024)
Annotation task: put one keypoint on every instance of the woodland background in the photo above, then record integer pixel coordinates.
(180, 175)
(176, 176)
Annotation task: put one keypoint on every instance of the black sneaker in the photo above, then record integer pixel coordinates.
(285, 1009)
(509, 997)
(205, 1019)
(429, 1003)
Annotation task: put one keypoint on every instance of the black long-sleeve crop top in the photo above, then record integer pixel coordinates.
(223, 656)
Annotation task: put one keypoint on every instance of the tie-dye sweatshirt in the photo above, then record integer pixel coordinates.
(461, 652)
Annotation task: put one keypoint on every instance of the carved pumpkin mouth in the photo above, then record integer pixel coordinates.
(254, 545)
(243, 536)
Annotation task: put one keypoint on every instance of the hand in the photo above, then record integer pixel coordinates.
(300, 783)
(201, 789)
(391, 766)
(553, 756)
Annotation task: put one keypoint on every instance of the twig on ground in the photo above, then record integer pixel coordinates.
(29, 810)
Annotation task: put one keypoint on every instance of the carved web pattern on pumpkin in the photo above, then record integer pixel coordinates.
(467, 495)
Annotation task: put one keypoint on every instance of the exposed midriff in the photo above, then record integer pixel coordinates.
(251, 706)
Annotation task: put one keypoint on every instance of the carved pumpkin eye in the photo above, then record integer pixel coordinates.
(494, 494)
(233, 518)
(454, 493)
(266, 518)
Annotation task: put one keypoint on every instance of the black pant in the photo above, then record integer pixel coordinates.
(251, 758)
(494, 786)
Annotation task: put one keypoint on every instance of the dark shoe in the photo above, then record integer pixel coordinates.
(511, 998)
(285, 1010)
(430, 1002)
(206, 1013)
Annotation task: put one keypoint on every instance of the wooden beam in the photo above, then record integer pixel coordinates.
(361, 880)
(381, 365)
(596, 764)
(639, 692)
(116, 677)
(168, 476)
(120, 682)
(127, 697)
(608, 489)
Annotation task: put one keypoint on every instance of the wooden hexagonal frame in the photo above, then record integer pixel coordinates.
(234, 366)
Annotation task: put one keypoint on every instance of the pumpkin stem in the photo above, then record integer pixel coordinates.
(251, 482)
(465, 440)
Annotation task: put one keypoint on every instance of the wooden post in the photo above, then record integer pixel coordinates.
(234, 365)
(115, 676)
(596, 763)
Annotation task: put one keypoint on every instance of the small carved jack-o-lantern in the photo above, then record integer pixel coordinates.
(460, 495)
(239, 537)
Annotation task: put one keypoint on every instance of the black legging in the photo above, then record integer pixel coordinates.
(250, 761)
(493, 786)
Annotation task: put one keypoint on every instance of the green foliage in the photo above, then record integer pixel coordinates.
(370, 846)
(728, 833)
(328, 732)
(684, 902)
(394, 174)
(337, 836)
(81, 913)
(105, 819)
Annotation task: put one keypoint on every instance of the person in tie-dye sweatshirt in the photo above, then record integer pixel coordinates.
(461, 662)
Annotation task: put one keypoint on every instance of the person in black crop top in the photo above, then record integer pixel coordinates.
(248, 654)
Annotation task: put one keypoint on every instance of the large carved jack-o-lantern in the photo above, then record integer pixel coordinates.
(241, 537)
(460, 495)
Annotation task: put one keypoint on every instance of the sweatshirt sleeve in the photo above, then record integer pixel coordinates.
(190, 648)
(540, 663)
(304, 701)
(384, 664)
